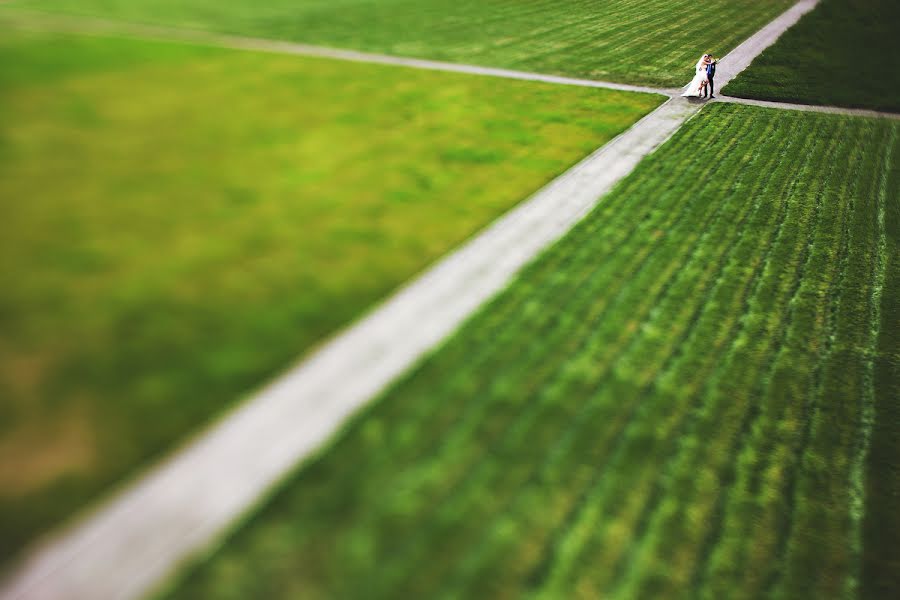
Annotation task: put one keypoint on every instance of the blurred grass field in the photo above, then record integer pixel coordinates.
(844, 53)
(181, 223)
(675, 401)
(654, 42)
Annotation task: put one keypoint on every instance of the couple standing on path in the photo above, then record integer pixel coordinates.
(703, 80)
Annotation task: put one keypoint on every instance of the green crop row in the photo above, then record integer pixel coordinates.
(710, 421)
(663, 405)
(674, 400)
(881, 554)
(767, 460)
(822, 549)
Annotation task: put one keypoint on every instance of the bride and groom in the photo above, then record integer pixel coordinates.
(702, 83)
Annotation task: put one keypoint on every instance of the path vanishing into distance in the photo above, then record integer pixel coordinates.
(144, 532)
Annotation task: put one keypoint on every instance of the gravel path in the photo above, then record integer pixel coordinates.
(834, 110)
(142, 534)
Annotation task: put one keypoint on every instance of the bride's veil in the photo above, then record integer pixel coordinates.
(699, 63)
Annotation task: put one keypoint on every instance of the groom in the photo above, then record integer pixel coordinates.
(710, 75)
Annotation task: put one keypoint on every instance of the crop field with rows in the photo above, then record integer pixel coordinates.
(676, 400)
(634, 41)
(182, 222)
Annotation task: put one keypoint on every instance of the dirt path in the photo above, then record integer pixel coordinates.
(834, 110)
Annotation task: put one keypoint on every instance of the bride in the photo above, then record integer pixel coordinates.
(695, 87)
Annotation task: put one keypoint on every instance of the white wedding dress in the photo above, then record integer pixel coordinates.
(693, 88)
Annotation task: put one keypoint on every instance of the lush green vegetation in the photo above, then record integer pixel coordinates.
(881, 561)
(180, 223)
(635, 41)
(844, 53)
(672, 402)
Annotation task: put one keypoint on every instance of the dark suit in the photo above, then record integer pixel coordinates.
(710, 75)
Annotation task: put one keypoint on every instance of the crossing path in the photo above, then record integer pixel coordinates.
(139, 537)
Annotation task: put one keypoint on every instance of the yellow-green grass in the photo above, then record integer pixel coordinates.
(843, 53)
(180, 223)
(674, 401)
(634, 41)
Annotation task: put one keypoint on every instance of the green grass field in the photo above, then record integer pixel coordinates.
(844, 53)
(675, 401)
(648, 42)
(180, 223)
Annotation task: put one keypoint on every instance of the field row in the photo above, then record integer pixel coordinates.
(675, 400)
(180, 223)
(646, 42)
